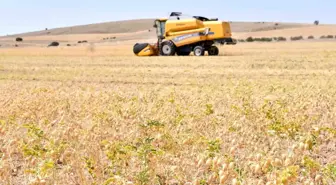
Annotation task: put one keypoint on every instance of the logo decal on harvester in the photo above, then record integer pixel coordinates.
(184, 37)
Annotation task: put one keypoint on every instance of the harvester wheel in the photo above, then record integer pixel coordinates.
(213, 51)
(168, 48)
(199, 51)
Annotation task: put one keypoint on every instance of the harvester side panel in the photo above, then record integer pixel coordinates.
(187, 39)
(219, 29)
(190, 31)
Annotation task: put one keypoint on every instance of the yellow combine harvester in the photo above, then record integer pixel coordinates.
(181, 35)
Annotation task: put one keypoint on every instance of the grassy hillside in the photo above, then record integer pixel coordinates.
(262, 26)
(98, 28)
(141, 30)
(316, 31)
(130, 26)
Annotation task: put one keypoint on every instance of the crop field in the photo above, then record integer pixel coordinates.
(261, 114)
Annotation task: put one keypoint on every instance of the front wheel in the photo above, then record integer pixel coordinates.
(167, 48)
(199, 51)
(213, 51)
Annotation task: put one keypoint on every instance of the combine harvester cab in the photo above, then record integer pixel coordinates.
(183, 35)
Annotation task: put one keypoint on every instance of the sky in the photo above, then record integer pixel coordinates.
(18, 16)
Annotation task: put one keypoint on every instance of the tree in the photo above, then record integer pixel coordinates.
(316, 22)
(249, 39)
(53, 44)
(18, 39)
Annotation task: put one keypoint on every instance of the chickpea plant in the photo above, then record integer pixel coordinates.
(261, 114)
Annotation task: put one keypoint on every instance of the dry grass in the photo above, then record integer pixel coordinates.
(258, 114)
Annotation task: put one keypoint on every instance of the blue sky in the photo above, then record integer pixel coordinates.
(19, 16)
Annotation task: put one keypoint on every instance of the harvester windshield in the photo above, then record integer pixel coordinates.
(160, 26)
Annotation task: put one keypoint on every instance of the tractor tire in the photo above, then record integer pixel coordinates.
(168, 48)
(199, 51)
(213, 51)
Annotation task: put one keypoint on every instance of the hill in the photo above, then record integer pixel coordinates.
(126, 26)
(306, 31)
(130, 26)
(263, 26)
(141, 30)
